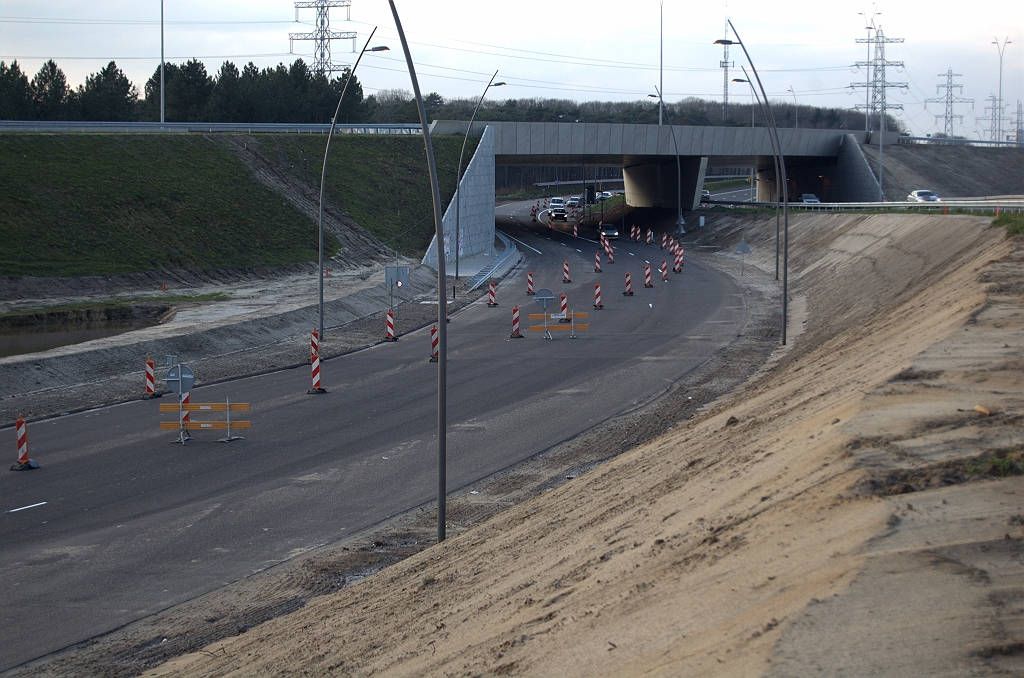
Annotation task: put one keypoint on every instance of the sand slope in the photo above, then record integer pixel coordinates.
(820, 521)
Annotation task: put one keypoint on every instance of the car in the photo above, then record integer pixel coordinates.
(556, 202)
(604, 195)
(574, 201)
(922, 195)
(705, 196)
(809, 198)
(608, 231)
(558, 214)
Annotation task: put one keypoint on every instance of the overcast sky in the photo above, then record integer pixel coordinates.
(577, 49)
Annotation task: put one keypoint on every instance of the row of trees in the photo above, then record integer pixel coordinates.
(297, 94)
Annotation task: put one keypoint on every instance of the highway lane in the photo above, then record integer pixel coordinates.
(135, 523)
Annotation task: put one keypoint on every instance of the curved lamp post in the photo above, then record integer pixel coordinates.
(458, 173)
(323, 174)
(679, 171)
(796, 111)
(442, 333)
(775, 159)
(782, 178)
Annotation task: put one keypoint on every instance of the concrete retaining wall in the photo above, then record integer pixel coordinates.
(476, 217)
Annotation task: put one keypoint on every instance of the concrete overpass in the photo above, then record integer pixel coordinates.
(828, 163)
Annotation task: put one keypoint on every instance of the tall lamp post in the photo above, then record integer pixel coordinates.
(442, 333)
(458, 173)
(323, 174)
(679, 171)
(775, 159)
(782, 178)
(999, 104)
(796, 110)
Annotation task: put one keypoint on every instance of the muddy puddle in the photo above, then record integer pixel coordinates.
(21, 340)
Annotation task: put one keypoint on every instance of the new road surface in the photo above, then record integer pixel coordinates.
(133, 523)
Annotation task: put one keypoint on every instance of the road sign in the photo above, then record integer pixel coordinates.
(396, 276)
(744, 248)
(180, 379)
(544, 297)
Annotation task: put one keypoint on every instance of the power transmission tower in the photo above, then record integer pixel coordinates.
(949, 99)
(876, 82)
(322, 34)
(1019, 136)
(995, 118)
(726, 64)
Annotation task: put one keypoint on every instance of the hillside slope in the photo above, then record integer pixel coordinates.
(78, 204)
(840, 514)
(950, 171)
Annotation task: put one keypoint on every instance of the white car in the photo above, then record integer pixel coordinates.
(922, 196)
(574, 201)
(556, 202)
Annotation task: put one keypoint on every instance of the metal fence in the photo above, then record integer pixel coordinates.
(992, 206)
(202, 127)
(944, 141)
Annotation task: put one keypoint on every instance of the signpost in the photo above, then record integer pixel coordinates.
(396, 276)
(742, 250)
(544, 297)
(180, 379)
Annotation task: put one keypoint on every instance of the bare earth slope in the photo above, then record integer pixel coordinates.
(837, 515)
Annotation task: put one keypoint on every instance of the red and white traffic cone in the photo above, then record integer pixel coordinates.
(565, 309)
(629, 285)
(150, 380)
(597, 296)
(650, 237)
(664, 270)
(529, 282)
(647, 275)
(565, 272)
(314, 361)
(516, 334)
(433, 344)
(21, 434)
(491, 301)
(390, 336)
(597, 262)
(664, 240)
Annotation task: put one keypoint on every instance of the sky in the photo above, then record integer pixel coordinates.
(576, 49)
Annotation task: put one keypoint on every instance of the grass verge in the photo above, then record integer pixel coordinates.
(1012, 222)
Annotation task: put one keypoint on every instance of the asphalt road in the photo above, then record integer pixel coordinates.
(134, 523)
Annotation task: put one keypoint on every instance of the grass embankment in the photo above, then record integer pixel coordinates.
(1013, 223)
(381, 182)
(107, 204)
(725, 183)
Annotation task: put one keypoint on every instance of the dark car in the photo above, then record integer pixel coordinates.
(559, 214)
(609, 232)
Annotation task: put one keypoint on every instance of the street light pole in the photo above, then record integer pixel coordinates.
(161, 62)
(458, 173)
(442, 330)
(775, 159)
(999, 104)
(679, 170)
(323, 174)
(785, 188)
(796, 110)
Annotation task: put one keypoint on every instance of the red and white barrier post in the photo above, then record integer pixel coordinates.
(185, 418)
(390, 336)
(433, 343)
(650, 237)
(647, 275)
(664, 240)
(529, 282)
(516, 334)
(150, 379)
(565, 309)
(629, 285)
(682, 256)
(575, 231)
(491, 300)
(597, 262)
(679, 261)
(565, 272)
(597, 296)
(314, 352)
(664, 270)
(21, 435)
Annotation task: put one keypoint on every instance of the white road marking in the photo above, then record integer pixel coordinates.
(26, 507)
(523, 243)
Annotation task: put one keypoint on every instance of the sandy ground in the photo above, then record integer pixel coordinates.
(839, 514)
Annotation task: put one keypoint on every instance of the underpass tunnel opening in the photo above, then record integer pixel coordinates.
(820, 180)
(654, 183)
